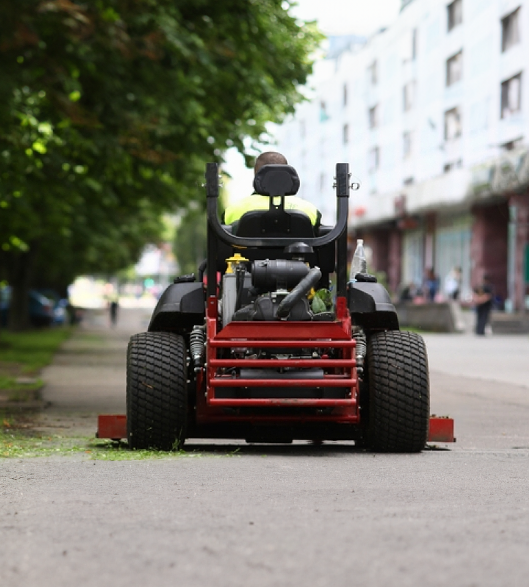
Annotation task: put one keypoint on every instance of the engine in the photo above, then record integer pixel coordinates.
(272, 290)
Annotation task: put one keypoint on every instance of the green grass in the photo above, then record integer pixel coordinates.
(24, 354)
(32, 349)
(19, 392)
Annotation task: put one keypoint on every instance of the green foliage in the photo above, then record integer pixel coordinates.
(109, 110)
(191, 240)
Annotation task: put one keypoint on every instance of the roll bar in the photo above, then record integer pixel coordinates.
(342, 211)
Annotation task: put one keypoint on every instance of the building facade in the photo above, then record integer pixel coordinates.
(432, 116)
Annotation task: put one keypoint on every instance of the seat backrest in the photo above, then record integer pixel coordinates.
(276, 180)
(275, 223)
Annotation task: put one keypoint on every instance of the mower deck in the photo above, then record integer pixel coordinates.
(114, 427)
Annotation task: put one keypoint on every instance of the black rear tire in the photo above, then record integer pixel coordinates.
(398, 410)
(156, 391)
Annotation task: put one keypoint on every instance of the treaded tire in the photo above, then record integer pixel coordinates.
(399, 392)
(156, 391)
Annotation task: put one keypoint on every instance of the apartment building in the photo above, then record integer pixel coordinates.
(432, 116)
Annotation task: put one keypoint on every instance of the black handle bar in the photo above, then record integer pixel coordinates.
(342, 211)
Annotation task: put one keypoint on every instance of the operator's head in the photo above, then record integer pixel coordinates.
(269, 158)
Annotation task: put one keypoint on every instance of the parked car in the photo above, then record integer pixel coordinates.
(60, 311)
(40, 308)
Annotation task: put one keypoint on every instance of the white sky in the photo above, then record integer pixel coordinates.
(341, 17)
(335, 17)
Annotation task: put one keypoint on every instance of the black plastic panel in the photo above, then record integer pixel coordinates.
(181, 306)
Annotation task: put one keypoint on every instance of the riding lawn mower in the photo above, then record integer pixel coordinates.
(271, 342)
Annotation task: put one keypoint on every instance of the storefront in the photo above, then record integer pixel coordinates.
(452, 249)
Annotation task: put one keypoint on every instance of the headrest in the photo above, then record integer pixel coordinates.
(276, 180)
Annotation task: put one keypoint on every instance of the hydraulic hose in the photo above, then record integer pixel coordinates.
(301, 289)
(240, 273)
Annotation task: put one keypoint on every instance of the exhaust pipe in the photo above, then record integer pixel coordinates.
(301, 289)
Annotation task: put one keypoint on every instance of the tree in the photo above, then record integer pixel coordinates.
(109, 109)
(191, 240)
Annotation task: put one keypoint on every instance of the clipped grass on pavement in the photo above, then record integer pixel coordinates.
(18, 440)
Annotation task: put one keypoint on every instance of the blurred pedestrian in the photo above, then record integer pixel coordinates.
(431, 285)
(452, 284)
(113, 307)
(482, 299)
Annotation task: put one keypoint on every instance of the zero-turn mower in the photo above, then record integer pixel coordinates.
(260, 346)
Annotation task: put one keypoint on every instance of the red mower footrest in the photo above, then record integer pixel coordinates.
(281, 402)
(112, 426)
(441, 430)
(325, 382)
(248, 342)
(278, 363)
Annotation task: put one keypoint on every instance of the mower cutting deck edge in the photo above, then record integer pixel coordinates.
(114, 427)
(270, 351)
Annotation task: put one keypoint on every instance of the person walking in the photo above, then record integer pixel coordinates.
(113, 307)
(482, 300)
(431, 284)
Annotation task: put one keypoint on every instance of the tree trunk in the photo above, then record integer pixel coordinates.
(19, 273)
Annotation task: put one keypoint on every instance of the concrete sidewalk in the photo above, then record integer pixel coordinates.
(501, 358)
(87, 376)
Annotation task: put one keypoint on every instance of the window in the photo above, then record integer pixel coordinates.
(408, 96)
(452, 124)
(374, 159)
(407, 144)
(345, 94)
(409, 46)
(372, 73)
(455, 14)
(345, 134)
(373, 117)
(454, 69)
(511, 94)
(510, 30)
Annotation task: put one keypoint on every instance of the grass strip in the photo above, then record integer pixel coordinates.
(31, 350)
(22, 356)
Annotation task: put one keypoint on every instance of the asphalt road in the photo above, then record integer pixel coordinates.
(264, 515)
